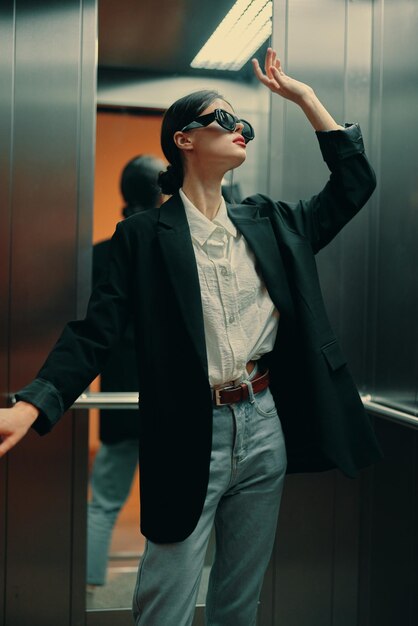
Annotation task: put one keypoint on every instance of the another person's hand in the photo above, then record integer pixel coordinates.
(15, 423)
(277, 81)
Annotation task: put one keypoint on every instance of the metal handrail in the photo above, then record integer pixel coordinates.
(129, 400)
(399, 415)
(107, 400)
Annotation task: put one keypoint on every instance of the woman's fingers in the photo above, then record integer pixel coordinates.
(273, 61)
(277, 81)
(15, 423)
(278, 66)
(6, 444)
(267, 60)
(278, 75)
(272, 65)
(258, 72)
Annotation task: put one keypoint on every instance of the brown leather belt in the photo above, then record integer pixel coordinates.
(233, 394)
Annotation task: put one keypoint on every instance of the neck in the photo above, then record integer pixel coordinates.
(205, 193)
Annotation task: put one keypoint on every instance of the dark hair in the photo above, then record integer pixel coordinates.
(181, 113)
(139, 184)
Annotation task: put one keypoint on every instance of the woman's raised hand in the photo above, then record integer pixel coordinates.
(277, 81)
(303, 95)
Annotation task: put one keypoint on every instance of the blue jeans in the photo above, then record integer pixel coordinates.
(111, 480)
(247, 471)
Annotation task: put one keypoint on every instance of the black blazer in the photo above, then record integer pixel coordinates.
(120, 372)
(153, 275)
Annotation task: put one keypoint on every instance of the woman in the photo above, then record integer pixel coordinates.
(206, 287)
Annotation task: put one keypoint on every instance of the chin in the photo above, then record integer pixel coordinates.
(238, 160)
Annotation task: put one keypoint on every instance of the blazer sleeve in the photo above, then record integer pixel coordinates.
(351, 183)
(81, 350)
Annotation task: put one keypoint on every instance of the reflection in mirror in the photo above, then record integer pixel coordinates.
(138, 79)
(127, 168)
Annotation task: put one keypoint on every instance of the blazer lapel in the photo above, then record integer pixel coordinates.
(177, 251)
(259, 234)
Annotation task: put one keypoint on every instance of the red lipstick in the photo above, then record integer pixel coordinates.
(240, 140)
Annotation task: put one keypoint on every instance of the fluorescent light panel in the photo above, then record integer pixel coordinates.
(242, 31)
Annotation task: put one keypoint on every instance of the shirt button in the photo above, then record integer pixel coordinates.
(231, 319)
(224, 271)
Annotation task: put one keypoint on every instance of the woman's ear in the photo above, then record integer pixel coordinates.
(182, 141)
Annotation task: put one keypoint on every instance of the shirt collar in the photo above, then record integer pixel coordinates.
(222, 219)
(200, 226)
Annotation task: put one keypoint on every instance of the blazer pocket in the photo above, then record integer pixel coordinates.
(333, 355)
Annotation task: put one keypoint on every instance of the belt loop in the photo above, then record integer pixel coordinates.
(250, 390)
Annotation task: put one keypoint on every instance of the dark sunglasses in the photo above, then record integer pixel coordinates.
(224, 119)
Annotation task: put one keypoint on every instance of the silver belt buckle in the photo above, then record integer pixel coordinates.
(218, 401)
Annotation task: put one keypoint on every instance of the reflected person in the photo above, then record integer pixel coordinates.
(117, 458)
(233, 344)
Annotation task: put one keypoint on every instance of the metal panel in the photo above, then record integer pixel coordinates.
(395, 94)
(389, 517)
(354, 263)
(371, 290)
(53, 123)
(328, 46)
(274, 168)
(323, 33)
(85, 188)
(315, 561)
(304, 552)
(388, 574)
(6, 120)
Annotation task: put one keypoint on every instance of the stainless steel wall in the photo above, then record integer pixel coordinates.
(346, 551)
(313, 576)
(393, 327)
(348, 52)
(389, 546)
(328, 45)
(47, 105)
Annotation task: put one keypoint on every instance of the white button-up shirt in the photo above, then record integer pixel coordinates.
(240, 320)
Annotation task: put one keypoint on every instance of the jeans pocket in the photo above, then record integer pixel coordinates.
(264, 403)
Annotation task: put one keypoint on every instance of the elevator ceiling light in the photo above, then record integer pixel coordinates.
(242, 31)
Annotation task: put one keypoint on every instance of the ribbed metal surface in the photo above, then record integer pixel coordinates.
(394, 327)
(347, 51)
(327, 45)
(47, 99)
(6, 157)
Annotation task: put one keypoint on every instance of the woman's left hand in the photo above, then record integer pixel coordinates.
(277, 81)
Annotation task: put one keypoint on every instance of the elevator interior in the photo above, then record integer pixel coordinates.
(346, 551)
(138, 78)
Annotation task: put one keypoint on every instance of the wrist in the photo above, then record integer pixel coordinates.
(26, 410)
(317, 114)
(308, 99)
